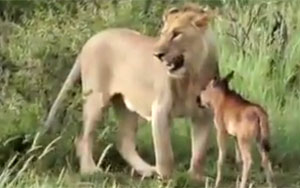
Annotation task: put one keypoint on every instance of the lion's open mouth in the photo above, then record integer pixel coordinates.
(176, 63)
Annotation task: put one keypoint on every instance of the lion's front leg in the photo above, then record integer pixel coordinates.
(162, 140)
(200, 131)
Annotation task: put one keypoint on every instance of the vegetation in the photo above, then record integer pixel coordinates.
(40, 39)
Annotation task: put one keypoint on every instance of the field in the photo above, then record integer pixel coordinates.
(39, 41)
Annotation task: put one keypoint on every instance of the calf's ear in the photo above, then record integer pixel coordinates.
(198, 101)
(229, 76)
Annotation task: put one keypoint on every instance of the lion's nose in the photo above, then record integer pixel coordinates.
(159, 55)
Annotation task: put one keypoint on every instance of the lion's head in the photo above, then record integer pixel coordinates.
(182, 40)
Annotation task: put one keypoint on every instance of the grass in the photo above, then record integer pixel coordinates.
(19, 173)
(43, 43)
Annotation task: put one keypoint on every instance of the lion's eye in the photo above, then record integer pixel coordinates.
(176, 34)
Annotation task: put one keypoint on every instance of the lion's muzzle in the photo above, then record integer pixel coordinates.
(176, 63)
(171, 60)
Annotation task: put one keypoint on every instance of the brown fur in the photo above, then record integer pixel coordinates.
(238, 117)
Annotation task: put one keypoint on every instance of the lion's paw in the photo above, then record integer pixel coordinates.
(146, 172)
(198, 177)
(89, 170)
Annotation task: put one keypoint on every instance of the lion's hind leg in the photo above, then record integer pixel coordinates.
(128, 125)
(92, 114)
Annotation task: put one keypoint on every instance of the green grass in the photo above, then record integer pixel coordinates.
(43, 42)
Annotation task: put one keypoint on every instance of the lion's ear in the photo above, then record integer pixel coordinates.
(172, 10)
(203, 19)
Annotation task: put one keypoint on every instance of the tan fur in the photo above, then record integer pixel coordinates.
(118, 67)
(242, 119)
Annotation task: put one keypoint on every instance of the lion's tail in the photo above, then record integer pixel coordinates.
(73, 76)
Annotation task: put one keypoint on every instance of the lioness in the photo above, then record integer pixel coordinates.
(155, 79)
(240, 118)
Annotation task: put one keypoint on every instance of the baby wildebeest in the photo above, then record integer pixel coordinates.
(240, 118)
